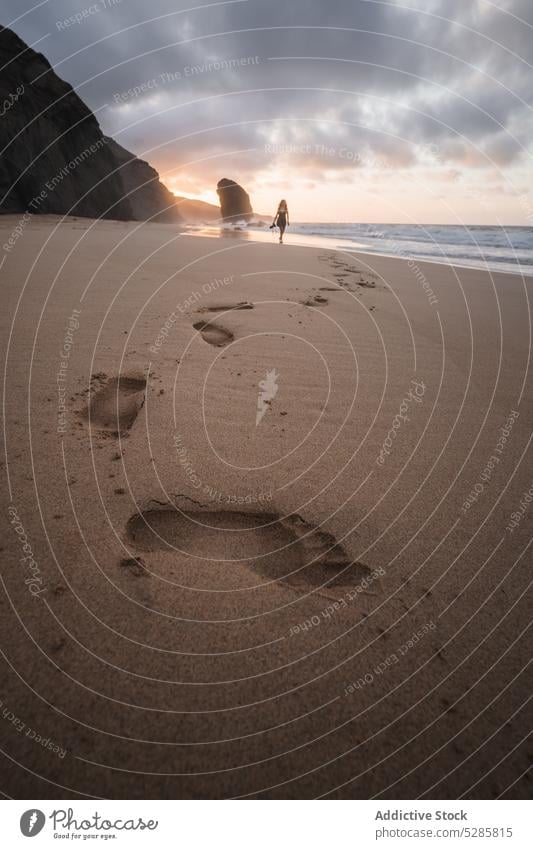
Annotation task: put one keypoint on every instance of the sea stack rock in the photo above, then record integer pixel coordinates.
(55, 157)
(234, 201)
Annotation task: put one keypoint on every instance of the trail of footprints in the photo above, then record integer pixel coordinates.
(286, 549)
(344, 272)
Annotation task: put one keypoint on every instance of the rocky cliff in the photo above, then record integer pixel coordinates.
(147, 196)
(234, 201)
(54, 157)
(198, 211)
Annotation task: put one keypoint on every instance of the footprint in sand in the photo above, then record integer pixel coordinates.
(315, 300)
(241, 305)
(214, 334)
(115, 406)
(288, 550)
(134, 566)
(366, 279)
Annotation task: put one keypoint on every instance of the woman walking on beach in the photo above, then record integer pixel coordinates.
(281, 219)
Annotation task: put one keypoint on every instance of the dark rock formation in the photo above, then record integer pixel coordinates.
(54, 156)
(147, 196)
(197, 211)
(234, 202)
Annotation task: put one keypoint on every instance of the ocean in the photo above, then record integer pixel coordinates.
(493, 248)
(507, 249)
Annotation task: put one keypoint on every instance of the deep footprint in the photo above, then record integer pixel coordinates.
(213, 334)
(287, 550)
(116, 405)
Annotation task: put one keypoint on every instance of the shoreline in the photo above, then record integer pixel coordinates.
(317, 241)
(252, 234)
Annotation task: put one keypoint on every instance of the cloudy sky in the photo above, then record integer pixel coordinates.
(354, 110)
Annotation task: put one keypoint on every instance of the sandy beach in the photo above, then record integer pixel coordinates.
(266, 519)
